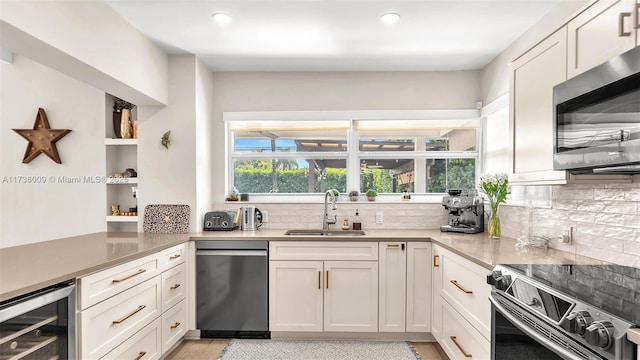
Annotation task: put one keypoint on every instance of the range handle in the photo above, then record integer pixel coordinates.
(231, 252)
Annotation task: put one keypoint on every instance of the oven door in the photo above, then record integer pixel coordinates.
(513, 338)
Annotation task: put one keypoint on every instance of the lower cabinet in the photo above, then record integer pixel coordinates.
(405, 287)
(461, 310)
(141, 318)
(323, 296)
(350, 286)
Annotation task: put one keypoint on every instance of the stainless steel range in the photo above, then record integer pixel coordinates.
(564, 311)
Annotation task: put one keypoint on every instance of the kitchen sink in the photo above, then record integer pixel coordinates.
(311, 232)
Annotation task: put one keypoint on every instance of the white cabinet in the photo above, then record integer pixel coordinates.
(393, 286)
(405, 287)
(296, 295)
(323, 286)
(461, 311)
(419, 293)
(133, 308)
(351, 296)
(604, 30)
(533, 76)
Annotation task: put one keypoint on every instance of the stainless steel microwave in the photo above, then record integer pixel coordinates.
(597, 119)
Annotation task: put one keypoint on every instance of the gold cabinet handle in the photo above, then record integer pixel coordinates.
(174, 257)
(319, 274)
(175, 325)
(115, 281)
(327, 279)
(122, 319)
(435, 260)
(175, 286)
(455, 282)
(393, 245)
(140, 355)
(455, 341)
(621, 17)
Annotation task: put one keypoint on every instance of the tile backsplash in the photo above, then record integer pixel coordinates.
(605, 219)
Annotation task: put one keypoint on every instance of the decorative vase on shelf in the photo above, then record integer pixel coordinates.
(493, 227)
(117, 118)
(125, 124)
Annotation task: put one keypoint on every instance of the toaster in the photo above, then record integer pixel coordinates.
(221, 220)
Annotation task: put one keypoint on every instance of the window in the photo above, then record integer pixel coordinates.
(423, 152)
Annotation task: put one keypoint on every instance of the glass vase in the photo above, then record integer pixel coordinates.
(493, 227)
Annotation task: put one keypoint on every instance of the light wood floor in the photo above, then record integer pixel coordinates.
(209, 349)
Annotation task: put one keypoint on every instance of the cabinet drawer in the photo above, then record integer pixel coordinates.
(322, 250)
(146, 344)
(172, 256)
(109, 323)
(104, 284)
(174, 325)
(173, 286)
(464, 286)
(460, 339)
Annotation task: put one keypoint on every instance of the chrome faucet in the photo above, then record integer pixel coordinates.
(326, 221)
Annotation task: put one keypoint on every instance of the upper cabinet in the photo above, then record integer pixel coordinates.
(602, 31)
(533, 76)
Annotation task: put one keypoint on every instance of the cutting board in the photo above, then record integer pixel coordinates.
(166, 219)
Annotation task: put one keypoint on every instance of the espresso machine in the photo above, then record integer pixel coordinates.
(465, 211)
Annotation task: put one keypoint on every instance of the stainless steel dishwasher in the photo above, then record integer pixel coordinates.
(232, 279)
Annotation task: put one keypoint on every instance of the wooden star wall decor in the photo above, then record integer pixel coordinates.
(42, 139)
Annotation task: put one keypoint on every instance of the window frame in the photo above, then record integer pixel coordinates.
(353, 155)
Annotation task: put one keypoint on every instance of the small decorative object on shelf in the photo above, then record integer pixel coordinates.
(115, 210)
(165, 141)
(130, 173)
(353, 195)
(406, 196)
(122, 125)
(135, 129)
(371, 195)
(496, 187)
(233, 195)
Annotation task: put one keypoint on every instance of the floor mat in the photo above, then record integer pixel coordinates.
(244, 349)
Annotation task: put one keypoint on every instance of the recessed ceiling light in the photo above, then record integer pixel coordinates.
(390, 18)
(221, 19)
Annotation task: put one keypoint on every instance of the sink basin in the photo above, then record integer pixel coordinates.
(311, 232)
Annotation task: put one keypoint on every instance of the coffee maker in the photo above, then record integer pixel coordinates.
(465, 211)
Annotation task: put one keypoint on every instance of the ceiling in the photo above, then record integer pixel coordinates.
(335, 35)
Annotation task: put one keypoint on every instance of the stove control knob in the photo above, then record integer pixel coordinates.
(600, 334)
(503, 282)
(577, 322)
(491, 278)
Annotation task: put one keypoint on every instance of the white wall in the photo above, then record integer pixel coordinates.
(39, 212)
(90, 41)
(273, 91)
(204, 141)
(169, 176)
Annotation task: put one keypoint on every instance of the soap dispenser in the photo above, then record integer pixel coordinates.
(357, 225)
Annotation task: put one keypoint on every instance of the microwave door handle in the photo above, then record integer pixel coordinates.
(532, 334)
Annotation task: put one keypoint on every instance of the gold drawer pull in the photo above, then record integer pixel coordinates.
(122, 319)
(393, 245)
(175, 325)
(319, 274)
(141, 354)
(455, 341)
(435, 260)
(174, 257)
(174, 287)
(455, 282)
(129, 276)
(327, 279)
